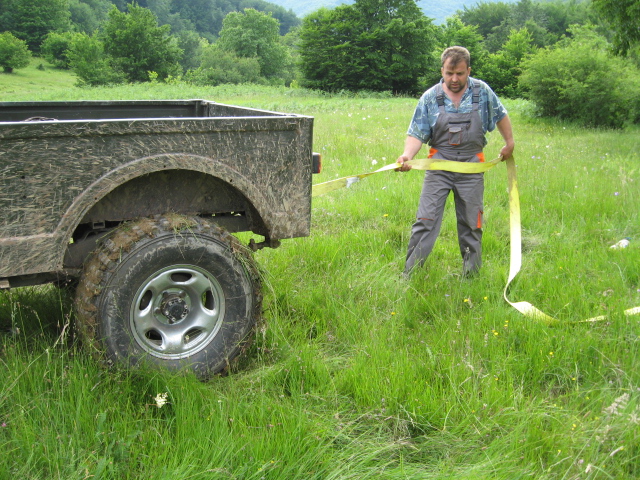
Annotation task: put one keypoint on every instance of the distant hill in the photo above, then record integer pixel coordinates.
(439, 10)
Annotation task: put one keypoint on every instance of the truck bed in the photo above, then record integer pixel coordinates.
(66, 167)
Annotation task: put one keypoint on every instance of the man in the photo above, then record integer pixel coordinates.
(453, 117)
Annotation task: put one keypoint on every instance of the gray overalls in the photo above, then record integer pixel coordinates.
(459, 137)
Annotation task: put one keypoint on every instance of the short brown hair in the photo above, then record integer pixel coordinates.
(457, 55)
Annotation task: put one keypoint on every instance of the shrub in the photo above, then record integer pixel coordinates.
(580, 80)
(137, 44)
(219, 67)
(502, 69)
(55, 48)
(14, 52)
(89, 62)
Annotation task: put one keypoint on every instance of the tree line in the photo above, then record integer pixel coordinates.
(576, 59)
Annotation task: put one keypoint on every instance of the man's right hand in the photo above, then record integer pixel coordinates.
(404, 166)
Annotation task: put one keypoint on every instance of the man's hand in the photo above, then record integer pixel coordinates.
(404, 166)
(412, 146)
(507, 151)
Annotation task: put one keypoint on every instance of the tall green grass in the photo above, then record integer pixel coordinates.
(358, 373)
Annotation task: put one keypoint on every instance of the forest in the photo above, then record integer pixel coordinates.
(558, 53)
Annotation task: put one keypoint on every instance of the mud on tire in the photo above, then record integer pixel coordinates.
(175, 292)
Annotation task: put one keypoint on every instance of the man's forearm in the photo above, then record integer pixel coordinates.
(412, 146)
(504, 127)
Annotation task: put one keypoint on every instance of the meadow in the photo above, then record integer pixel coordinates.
(356, 372)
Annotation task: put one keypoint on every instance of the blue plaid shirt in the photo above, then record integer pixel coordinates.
(426, 113)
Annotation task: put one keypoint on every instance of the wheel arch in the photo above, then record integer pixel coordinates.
(191, 185)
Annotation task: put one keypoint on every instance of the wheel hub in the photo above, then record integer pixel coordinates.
(174, 308)
(177, 311)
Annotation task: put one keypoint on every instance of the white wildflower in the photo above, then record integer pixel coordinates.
(161, 399)
(619, 404)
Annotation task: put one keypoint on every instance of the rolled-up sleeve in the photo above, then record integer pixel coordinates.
(422, 121)
(495, 110)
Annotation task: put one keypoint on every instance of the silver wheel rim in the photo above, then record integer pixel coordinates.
(177, 311)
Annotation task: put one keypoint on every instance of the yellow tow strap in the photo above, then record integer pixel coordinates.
(525, 308)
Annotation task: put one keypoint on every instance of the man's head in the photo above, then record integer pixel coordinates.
(456, 67)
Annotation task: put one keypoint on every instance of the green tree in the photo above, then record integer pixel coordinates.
(90, 63)
(139, 46)
(286, 18)
(205, 15)
(32, 20)
(502, 69)
(253, 34)
(326, 43)
(547, 21)
(292, 42)
(580, 80)
(485, 15)
(87, 15)
(524, 15)
(624, 17)
(14, 52)
(55, 48)
(381, 45)
(192, 46)
(164, 11)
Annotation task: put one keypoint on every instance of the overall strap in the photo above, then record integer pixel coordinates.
(475, 99)
(476, 96)
(440, 97)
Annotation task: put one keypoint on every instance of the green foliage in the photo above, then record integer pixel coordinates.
(624, 17)
(580, 80)
(287, 19)
(32, 20)
(191, 45)
(88, 15)
(138, 45)
(14, 52)
(378, 45)
(253, 34)
(206, 16)
(502, 69)
(546, 21)
(55, 48)
(221, 67)
(90, 62)
(485, 16)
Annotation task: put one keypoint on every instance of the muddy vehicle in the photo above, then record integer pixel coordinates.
(134, 203)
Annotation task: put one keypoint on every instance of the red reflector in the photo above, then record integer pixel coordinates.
(317, 163)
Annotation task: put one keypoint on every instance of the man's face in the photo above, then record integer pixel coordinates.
(455, 75)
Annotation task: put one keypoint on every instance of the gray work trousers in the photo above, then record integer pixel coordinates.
(468, 191)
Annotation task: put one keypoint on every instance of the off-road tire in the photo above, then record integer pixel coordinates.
(173, 291)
